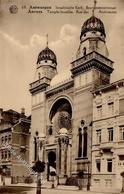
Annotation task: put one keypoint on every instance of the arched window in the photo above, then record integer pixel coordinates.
(79, 142)
(50, 130)
(35, 149)
(39, 75)
(84, 51)
(85, 142)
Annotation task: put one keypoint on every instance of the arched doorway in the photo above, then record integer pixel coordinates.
(51, 162)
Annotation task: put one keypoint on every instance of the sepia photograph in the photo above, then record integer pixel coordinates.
(62, 96)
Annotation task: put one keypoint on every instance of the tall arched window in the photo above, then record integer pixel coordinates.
(84, 51)
(85, 142)
(35, 149)
(79, 142)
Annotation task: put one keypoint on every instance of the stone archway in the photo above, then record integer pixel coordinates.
(61, 114)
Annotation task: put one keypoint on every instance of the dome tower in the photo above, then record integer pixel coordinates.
(46, 68)
(92, 52)
(92, 37)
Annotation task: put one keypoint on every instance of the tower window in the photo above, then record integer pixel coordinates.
(39, 75)
(84, 51)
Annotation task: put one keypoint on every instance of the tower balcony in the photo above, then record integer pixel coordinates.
(39, 84)
(90, 60)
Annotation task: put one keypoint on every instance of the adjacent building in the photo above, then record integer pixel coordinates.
(15, 132)
(108, 136)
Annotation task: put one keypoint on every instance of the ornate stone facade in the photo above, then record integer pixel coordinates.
(62, 111)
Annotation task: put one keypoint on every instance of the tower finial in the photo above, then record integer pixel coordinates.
(94, 7)
(47, 40)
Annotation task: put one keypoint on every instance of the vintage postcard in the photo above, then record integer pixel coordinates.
(62, 96)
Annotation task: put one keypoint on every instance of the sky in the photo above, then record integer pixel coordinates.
(23, 37)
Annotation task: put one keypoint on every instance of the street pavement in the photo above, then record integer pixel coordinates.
(46, 189)
(63, 190)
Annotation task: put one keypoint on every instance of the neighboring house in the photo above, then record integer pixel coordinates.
(108, 136)
(15, 131)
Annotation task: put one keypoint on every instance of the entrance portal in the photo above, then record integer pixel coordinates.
(51, 162)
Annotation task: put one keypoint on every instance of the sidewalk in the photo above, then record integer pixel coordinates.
(63, 188)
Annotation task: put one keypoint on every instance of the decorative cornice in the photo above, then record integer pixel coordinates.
(39, 85)
(92, 60)
(112, 86)
(94, 63)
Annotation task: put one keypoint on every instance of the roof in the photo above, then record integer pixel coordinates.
(60, 78)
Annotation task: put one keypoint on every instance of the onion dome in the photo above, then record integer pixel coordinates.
(47, 54)
(93, 24)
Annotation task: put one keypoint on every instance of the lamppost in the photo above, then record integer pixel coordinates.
(63, 141)
(39, 166)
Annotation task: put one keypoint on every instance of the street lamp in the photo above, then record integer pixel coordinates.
(39, 166)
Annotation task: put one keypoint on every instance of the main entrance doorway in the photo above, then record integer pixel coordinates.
(51, 163)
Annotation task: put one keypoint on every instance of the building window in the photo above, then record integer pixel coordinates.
(5, 154)
(121, 157)
(110, 108)
(2, 140)
(50, 130)
(110, 134)
(121, 106)
(35, 149)
(98, 165)
(9, 154)
(109, 165)
(121, 132)
(85, 142)
(9, 138)
(99, 111)
(98, 136)
(79, 142)
(6, 138)
(2, 155)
